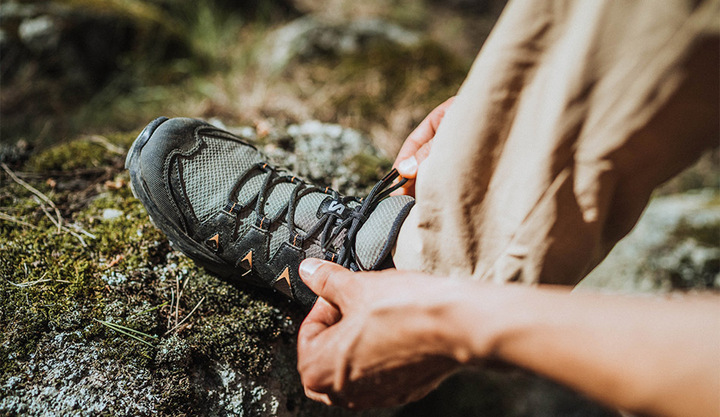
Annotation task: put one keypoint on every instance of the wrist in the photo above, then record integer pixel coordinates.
(475, 321)
(486, 317)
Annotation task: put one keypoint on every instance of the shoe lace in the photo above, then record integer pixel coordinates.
(330, 225)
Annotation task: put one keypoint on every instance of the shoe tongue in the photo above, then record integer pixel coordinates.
(377, 236)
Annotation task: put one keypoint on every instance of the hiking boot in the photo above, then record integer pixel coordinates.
(219, 201)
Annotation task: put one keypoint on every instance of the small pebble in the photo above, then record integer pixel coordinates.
(109, 214)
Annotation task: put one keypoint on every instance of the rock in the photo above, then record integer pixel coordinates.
(40, 34)
(15, 153)
(307, 37)
(233, 356)
(77, 378)
(325, 154)
(109, 214)
(675, 245)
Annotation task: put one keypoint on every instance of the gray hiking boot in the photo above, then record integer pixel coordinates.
(223, 205)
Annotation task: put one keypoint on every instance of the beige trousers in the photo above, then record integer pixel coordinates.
(573, 112)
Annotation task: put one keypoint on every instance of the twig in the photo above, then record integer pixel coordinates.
(119, 329)
(78, 237)
(180, 294)
(40, 198)
(187, 278)
(172, 303)
(34, 191)
(75, 173)
(10, 218)
(186, 317)
(83, 231)
(149, 310)
(104, 142)
(115, 261)
(61, 227)
(39, 281)
(55, 221)
(120, 326)
(177, 301)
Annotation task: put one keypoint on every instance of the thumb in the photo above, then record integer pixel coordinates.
(327, 279)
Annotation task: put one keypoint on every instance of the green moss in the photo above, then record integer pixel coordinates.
(232, 325)
(125, 273)
(381, 76)
(48, 282)
(368, 167)
(75, 155)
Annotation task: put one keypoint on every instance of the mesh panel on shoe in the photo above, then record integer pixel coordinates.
(376, 231)
(277, 237)
(210, 173)
(306, 210)
(249, 189)
(246, 220)
(314, 251)
(278, 198)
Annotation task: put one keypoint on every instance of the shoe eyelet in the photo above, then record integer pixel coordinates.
(297, 240)
(294, 180)
(263, 222)
(232, 208)
(330, 256)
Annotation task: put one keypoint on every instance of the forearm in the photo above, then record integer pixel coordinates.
(654, 356)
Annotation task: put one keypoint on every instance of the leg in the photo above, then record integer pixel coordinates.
(572, 113)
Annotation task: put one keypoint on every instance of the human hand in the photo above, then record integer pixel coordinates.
(416, 147)
(375, 339)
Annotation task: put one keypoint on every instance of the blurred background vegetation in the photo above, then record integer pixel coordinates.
(100, 66)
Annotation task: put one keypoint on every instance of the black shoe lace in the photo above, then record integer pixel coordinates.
(330, 225)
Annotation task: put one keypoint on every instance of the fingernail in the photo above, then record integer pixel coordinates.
(407, 166)
(309, 266)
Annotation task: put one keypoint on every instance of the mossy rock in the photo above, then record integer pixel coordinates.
(104, 298)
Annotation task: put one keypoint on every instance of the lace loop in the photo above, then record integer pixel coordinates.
(330, 225)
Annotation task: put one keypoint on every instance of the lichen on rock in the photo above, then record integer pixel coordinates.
(96, 314)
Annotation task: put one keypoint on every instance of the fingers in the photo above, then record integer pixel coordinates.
(408, 167)
(423, 133)
(408, 158)
(423, 153)
(326, 279)
(316, 396)
(322, 316)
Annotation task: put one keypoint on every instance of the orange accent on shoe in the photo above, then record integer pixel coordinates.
(216, 240)
(246, 263)
(282, 283)
(248, 258)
